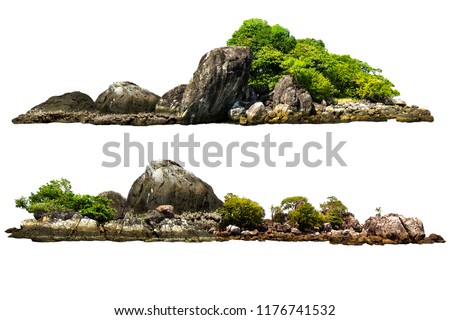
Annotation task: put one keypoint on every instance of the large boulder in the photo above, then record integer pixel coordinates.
(287, 92)
(350, 222)
(126, 97)
(219, 82)
(395, 227)
(68, 102)
(257, 113)
(117, 202)
(165, 182)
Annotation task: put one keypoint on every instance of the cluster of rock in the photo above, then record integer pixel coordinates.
(218, 92)
(377, 230)
(168, 203)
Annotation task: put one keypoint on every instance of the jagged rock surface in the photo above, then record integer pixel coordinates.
(217, 84)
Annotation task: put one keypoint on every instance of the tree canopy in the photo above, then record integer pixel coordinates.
(325, 75)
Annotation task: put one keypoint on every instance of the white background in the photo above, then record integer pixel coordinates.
(52, 47)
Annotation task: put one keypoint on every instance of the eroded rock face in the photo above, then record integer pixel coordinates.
(217, 84)
(287, 92)
(395, 227)
(68, 102)
(165, 182)
(170, 102)
(126, 97)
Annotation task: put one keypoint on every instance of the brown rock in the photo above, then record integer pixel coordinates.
(166, 209)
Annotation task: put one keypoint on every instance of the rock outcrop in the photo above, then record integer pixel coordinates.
(126, 97)
(286, 92)
(165, 182)
(68, 102)
(186, 227)
(217, 84)
(395, 227)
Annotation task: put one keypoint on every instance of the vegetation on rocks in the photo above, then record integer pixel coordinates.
(325, 75)
(57, 195)
(334, 211)
(241, 212)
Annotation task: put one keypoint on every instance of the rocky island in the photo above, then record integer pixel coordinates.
(264, 75)
(168, 203)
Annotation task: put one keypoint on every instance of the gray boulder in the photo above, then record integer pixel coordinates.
(126, 97)
(350, 222)
(170, 102)
(166, 182)
(395, 227)
(287, 92)
(219, 82)
(68, 102)
(257, 113)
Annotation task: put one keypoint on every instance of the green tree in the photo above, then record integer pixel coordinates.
(306, 217)
(241, 212)
(299, 212)
(57, 195)
(334, 211)
(323, 74)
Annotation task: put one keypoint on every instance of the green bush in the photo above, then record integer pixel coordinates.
(57, 195)
(241, 212)
(323, 74)
(305, 217)
(334, 211)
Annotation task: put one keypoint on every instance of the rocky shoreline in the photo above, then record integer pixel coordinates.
(200, 227)
(168, 203)
(217, 93)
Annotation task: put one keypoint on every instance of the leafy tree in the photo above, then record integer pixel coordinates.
(299, 212)
(242, 212)
(323, 74)
(289, 203)
(57, 195)
(306, 217)
(334, 211)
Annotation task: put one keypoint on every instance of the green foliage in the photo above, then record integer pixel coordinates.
(266, 67)
(306, 217)
(334, 211)
(241, 212)
(299, 212)
(290, 202)
(323, 74)
(277, 214)
(57, 195)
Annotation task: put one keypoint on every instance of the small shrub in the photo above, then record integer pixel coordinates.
(241, 212)
(57, 195)
(306, 217)
(334, 211)
(278, 215)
